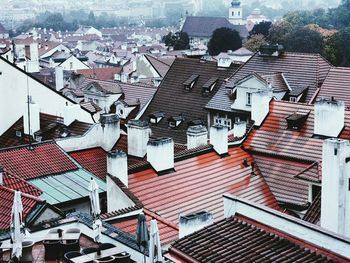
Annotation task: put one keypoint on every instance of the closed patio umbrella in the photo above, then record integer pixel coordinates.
(95, 209)
(142, 236)
(17, 235)
(154, 241)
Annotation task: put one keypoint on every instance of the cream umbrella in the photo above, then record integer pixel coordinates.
(154, 242)
(17, 235)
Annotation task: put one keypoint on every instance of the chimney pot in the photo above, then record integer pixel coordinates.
(160, 154)
(117, 165)
(194, 222)
(138, 135)
(196, 136)
(219, 139)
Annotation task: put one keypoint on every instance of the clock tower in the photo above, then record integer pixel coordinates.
(236, 13)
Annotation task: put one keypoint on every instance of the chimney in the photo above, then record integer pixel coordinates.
(138, 135)
(194, 222)
(117, 165)
(34, 52)
(335, 197)
(219, 139)
(31, 119)
(160, 154)
(1, 175)
(71, 113)
(239, 129)
(110, 126)
(260, 106)
(329, 117)
(59, 78)
(196, 136)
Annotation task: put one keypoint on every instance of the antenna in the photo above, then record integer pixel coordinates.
(29, 100)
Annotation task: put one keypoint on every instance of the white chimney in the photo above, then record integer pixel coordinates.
(71, 113)
(196, 136)
(1, 175)
(117, 165)
(239, 129)
(219, 139)
(160, 154)
(31, 119)
(260, 106)
(194, 222)
(138, 135)
(329, 117)
(59, 78)
(335, 195)
(34, 51)
(110, 128)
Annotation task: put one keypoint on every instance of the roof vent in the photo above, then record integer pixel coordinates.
(156, 117)
(296, 120)
(175, 121)
(209, 86)
(189, 83)
(271, 50)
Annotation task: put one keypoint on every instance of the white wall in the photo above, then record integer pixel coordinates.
(72, 63)
(13, 90)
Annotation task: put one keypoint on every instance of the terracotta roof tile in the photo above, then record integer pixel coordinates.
(337, 84)
(198, 184)
(100, 73)
(16, 183)
(172, 100)
(239, 239)
(313, 214)
(36, 161)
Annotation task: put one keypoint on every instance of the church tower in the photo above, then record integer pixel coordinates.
(236, 13)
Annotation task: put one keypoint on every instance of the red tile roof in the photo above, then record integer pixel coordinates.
(280, 175)
(100, 73)
(36, 161)
(168, 231)
(198, 184)
(313, 214)
(337, 84)
(16, 183)
(28, 201)
(240, 239)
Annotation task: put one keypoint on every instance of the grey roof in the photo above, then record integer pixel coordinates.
(3, 29)
(204, 26)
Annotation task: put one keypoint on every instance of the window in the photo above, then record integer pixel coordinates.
(315, 189)
(239, 13)
(249, 99)
(292, 99)
(233, 13)
(223, 120)
(71, 65)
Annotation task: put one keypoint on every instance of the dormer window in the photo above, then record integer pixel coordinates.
(195, 122)
(156, 117)
(296, 120)
(209, 86)
(292, 99)
(189, 83)
(175, 121)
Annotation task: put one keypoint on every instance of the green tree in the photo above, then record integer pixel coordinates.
(254, 42)
(342, 47)
(224, 39)
(261, 29)
(304, 40)
(179, 40)
(278, 32)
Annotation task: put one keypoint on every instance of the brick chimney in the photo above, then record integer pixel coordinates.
(194, 222)
(160, 154)
(329, 117)
(196, 136)
(59, 78)
(335, 195)
(138, 135)
(219, 139)
(260, 106)
(110, 126)
(117, 165)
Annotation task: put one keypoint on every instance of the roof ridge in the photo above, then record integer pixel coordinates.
(160, 218)
(22, 194)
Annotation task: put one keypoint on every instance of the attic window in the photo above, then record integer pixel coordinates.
(189, 83)
(296, 120)
(19, 134)
(209, 85)
(174, 122)
(156, 117)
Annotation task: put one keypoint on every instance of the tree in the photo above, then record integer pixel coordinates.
(179, 40)
(261, 29)
(278, 32)
(342, 47)
(304, 40)
(224, 39)
(254, 42)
